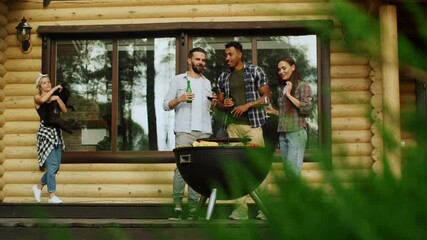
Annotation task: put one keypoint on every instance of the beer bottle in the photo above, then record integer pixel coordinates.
(189, 90)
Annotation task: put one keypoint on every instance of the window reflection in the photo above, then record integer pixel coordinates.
(85, 66)
(145, 68)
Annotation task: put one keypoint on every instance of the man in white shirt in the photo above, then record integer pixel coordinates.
(192, 119)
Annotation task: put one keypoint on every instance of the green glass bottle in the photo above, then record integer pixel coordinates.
(189, 90)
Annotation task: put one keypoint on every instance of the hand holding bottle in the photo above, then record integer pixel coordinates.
(187, 97)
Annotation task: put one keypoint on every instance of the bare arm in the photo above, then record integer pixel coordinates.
(39, 100)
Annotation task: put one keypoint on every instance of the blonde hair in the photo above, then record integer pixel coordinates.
(39, 78)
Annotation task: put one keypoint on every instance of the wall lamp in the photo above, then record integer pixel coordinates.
(23, 33)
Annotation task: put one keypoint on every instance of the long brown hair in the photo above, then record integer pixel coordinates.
(295, 77)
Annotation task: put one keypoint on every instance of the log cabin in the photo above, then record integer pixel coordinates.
(118, 56)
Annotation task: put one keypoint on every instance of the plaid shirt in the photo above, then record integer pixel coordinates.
(254, 78)
(47, 139)
(295, 119)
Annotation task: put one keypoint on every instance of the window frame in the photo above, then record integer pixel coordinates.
(182, 31)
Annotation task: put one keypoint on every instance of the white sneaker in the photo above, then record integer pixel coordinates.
(55, 199)
(261, 216)
(239, 214)
(37, 193)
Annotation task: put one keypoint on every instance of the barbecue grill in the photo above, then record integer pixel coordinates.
(224, 172)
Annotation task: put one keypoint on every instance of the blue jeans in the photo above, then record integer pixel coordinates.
(178, 186)
(292, 147)
(52, 166)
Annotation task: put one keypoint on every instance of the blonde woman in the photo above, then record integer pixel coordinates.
(50, 143)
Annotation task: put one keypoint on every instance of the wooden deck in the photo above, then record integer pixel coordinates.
(118, 221)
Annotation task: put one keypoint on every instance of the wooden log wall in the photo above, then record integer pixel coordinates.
(351, 96)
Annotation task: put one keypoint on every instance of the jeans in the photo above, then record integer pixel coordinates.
(292, 147)
(52, 166)
(178, 186)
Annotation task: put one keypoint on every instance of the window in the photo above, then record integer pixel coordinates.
(118, 83)
(264, 51)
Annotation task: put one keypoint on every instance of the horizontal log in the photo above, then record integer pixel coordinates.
(21, 127)
(21, 165)
(2, 183)
(3, 44)
(18, 102)
(345, 59)
(20, 152)
(351, 149)
(2, 145)
(337, 46)
(21, 115)
(14, 52)
(31, 164)
(3, 20)
(3, 70)
(98, 177)
(350, 84)
(350, 123)
(20, 139)
(85, 200)
(160, 167)
(2, 158)
(168, 11)
(2, 121)
(350, 110)
(350, 97)
(2, 171)
(356, 136)
(23, 65)
(2, 82)
(2, 95)
(3, 31)
(12, 41)
(3, 57)
(278, 166)
(355, 71)
(95, 190)
(22, 5)
(352, 162)
(22, 77)
(2, 107)
(183, 22)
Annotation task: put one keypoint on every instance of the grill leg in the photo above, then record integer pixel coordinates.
(211, 204)
(258, 202)
(202, 202)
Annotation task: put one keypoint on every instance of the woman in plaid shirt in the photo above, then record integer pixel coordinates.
(50, 142)
(295, 104)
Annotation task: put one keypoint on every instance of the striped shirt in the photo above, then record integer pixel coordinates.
(254, 78)
(294, 119)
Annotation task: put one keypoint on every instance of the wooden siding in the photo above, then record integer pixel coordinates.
(353, 96)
